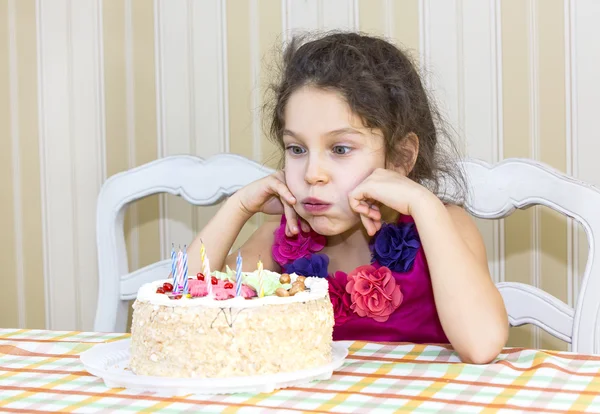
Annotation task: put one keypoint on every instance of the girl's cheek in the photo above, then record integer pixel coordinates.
(354, 181)
(292, 185)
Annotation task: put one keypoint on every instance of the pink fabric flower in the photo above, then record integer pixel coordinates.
(198, 289)
(374, 292)
(287, 249)
(340, 299)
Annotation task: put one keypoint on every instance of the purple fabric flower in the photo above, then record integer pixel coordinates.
(395, 246)
(315, 265)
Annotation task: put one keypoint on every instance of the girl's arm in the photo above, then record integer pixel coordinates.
(269, 195)
(218, 236)
(469, 305)
(258, 246)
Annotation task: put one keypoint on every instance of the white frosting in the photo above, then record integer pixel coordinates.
(317, 289)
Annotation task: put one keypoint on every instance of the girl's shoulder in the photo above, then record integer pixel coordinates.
(461, 218)
(468, 230)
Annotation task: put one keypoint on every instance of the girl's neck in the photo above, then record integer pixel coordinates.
(351, 238)
(348, 250)
(357, 236)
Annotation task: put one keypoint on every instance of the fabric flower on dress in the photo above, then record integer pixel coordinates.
(287, 249)
(395, 246)
(314, 265)
(340, 299)
(374, 292)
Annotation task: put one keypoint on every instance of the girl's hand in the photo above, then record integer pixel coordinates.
(386, 187)
(270, 195)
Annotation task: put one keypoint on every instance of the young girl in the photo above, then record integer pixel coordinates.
(359, 203)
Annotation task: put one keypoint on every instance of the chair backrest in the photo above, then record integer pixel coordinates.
(200, 182)
(495, 191)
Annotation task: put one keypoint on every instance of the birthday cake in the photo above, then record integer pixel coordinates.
(231, 324)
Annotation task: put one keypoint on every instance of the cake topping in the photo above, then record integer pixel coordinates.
(314, 288)
(282, 292)
(295, 289)
(223, 289)
(217, 285)
(285, 278)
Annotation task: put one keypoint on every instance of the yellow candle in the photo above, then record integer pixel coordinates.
(207, 278)
(205, 269)
(261, 291)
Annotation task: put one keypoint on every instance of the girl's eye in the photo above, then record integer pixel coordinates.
(341, 150)
(295, 150)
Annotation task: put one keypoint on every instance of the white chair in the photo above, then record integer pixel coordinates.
(200, 182)
(494, 192)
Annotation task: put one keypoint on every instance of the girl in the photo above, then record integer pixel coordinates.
(359, 202)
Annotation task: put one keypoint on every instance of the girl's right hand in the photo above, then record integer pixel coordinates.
(270, 195)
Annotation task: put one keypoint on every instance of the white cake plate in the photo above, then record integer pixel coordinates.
(110, 362)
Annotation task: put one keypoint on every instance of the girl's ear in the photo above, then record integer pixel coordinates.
(407, 150)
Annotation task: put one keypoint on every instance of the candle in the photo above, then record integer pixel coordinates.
(202, 256)
(261, 291)
(185, 271)
(173, 260)
(238, 275)
(173, 263)
(205, 268)
(179, 272)
(207, 278)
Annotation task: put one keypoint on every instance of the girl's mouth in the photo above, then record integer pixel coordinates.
(314, 205)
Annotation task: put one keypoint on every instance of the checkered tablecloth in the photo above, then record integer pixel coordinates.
(40, 371)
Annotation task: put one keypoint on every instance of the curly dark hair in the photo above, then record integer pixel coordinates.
(382, 85)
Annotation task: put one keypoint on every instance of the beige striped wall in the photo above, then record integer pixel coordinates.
(159, 89)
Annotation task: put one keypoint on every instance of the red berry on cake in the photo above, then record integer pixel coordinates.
(160, 289)
(228, 285)
(213, 280)
(200, 276)
(167, 287)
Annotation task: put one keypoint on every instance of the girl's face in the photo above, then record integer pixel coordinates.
(328, 152)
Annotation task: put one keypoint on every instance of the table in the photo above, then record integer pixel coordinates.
(40, 371)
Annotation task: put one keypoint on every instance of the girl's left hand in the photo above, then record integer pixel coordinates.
(386, 187)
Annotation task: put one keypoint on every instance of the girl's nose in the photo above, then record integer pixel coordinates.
(316, 172)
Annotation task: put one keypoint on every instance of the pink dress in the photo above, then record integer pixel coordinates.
(388, 300)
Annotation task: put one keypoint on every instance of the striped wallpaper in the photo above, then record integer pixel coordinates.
(89, 88)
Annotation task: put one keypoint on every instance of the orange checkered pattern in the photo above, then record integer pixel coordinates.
(40, 371)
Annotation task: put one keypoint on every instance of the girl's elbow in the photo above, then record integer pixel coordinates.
(487, 349)
(479, 356)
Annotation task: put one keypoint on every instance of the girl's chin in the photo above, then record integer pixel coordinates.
(327, 226)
